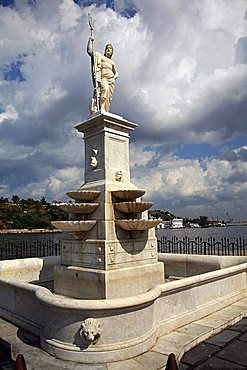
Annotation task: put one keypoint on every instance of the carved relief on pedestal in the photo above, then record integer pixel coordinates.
(90, 330)
(118, 175)
(94, 160)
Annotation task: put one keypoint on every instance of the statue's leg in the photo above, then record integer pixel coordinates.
(104, 97)
(109, 89)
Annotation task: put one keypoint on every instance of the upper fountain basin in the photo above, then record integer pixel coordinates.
(83, 195)
(79, 207)
(128, 194)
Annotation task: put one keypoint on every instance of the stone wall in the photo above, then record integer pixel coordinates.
(185, 265)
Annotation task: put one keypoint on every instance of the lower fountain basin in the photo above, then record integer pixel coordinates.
(137, 225)
(59, 320)
(74, 226)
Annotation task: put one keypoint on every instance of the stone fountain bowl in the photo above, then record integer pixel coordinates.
(128, 194)
(132, 207)
(79, 207)
(74, 226)
(83, 195)
(137, 225)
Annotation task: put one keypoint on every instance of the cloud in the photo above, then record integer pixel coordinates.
(239, 154)
(183, 78)
(191, 86)
(8, 114)
(241, 50)
(189, 186)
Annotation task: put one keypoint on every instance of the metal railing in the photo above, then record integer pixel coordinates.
(26, 249)
(198, 245)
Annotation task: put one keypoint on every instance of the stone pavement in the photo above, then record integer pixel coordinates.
(224, 351)
(216, 346)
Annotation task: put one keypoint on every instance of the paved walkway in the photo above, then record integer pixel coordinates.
(224, 351)
(227, 350)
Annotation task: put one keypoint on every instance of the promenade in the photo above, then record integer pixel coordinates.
(224, 351)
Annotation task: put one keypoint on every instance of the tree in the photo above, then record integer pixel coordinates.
(164, 215)
(203, 221)
(3, 200)
(28, 214)
(43, 201)
(15, 199)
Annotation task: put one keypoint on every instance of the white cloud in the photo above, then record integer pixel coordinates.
(9, 114)
(188, 74)
(189, 186)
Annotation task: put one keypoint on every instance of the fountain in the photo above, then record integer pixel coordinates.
(110, 300)
(100, 245)
(109, 264)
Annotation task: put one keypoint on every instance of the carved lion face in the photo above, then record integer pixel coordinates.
(90, 330)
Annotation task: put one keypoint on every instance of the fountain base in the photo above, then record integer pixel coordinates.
(86, 283)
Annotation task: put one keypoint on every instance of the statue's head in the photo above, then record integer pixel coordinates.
(108, 50)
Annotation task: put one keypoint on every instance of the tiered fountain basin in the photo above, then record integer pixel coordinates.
(79, 208)
(137, 225)
(129, 194)
(75, 228)
(132, 207)
(83, 195)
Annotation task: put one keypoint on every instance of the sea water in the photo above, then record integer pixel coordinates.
(230, 232)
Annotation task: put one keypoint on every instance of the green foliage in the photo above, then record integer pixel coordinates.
(3, 200)
(15, 199)
(28, 213)
(203, 221)
(164, 215)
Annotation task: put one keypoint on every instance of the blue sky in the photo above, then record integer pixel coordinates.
(183, 79)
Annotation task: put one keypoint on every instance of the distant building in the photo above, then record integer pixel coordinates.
(176, 223)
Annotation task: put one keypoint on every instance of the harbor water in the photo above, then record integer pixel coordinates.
(230, 232)
(29, 243)
(28, 236)
(35, 243)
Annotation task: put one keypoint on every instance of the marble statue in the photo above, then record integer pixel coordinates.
(104, 74)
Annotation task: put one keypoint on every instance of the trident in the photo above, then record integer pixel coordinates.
(93, 65)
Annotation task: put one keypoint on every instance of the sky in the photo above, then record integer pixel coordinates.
(183, 79)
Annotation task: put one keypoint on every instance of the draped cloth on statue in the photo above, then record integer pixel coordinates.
(105, 77)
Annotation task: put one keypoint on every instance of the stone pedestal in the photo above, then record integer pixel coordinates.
(107, 262)
(106, 138)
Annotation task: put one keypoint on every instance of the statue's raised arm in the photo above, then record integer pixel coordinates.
(104, 74)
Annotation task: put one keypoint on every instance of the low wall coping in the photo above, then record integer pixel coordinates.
(48, 298)
(27, 231)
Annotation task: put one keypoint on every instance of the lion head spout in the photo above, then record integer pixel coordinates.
(90, 330)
